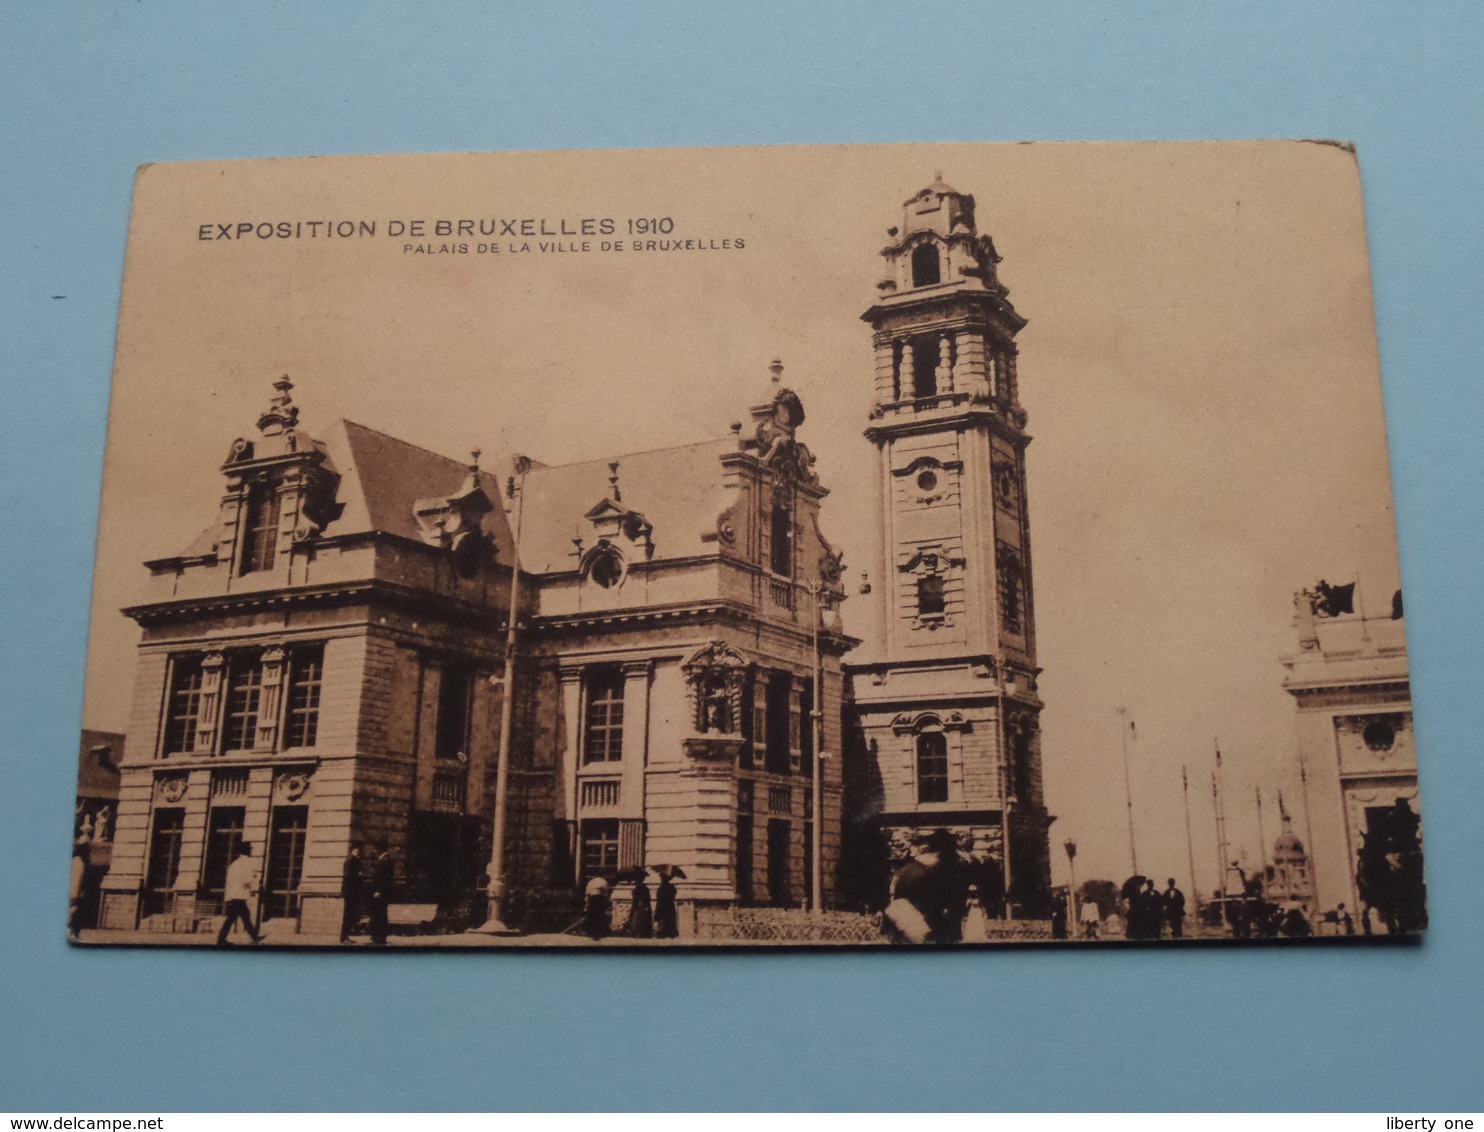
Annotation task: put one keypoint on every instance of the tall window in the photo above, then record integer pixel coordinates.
(780, 854)
(244, 699)
(306, 674)
(603, 738)
(183, 712)
(925, 267)
(286, 840)
(783, 540)
(925, 368)
(1021, 747)
(1010, 603)
(223, 835)
(745, 800)
(752, 725)
(806, 733)
(260, 529)
(164, 859)
(932, 767)
(455, 696)
(775, 752)
(930, 595)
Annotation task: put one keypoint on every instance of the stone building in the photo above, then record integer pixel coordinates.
(323, 666)
(946, 713)
(1356, 741)
(313, 670)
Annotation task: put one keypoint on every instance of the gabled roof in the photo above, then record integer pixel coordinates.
(381, 478)
(678, 490)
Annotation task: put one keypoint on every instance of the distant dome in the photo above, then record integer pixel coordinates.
(1288, 843)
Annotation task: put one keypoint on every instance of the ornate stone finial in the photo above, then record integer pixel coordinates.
(776, 369)
(282, 413)
(474, 454)
(613, 482)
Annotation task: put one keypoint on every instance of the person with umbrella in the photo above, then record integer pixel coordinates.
(640, 924)
(1138, 911)
(666, 917)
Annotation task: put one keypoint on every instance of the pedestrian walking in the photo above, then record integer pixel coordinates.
(383, 872)
(241, 891)
(666, 916)
(1091, 920)
(1174, 909)
(350, 891)
(597, 909)
(640, 924)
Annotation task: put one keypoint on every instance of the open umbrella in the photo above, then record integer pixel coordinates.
(630, 874)
(1133, 886)
(674, 872)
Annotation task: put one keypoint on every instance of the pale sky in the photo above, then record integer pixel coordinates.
(1199, 368)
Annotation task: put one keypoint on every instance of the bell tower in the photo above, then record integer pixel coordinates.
(948, 709)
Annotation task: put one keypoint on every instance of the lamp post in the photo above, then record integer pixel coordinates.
(1071, 847)
(816, 833)
(494, 923)
(1007, 687)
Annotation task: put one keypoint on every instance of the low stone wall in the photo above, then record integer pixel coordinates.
(785, 925)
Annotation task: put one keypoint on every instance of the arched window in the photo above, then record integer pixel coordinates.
(925, 270)
(606, 568)
(932, 767)
(783, 540)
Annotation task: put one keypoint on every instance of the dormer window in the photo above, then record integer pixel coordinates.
(925, 266)
(259, 529)
(606, 568)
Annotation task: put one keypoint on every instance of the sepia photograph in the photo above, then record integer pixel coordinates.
(795, 546)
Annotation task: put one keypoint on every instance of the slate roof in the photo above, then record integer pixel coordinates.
(678, 490)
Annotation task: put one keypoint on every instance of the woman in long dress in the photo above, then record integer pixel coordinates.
(641, 912)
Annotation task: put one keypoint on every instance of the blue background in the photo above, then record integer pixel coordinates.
(88, 91)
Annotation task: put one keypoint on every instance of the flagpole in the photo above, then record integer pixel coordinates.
(1221, 842)
(1195, 897)
(1218, 891)
(1309, 832)
(1128, 792)
(1262, 843)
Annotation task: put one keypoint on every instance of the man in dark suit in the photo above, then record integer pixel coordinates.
(350, 891)
(1174, 910)
(382, 874)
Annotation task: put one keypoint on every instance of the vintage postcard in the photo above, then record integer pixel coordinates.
(649, 549)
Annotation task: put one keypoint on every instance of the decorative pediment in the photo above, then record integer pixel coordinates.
(929, 560)
(613, 523)
(912, 723)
